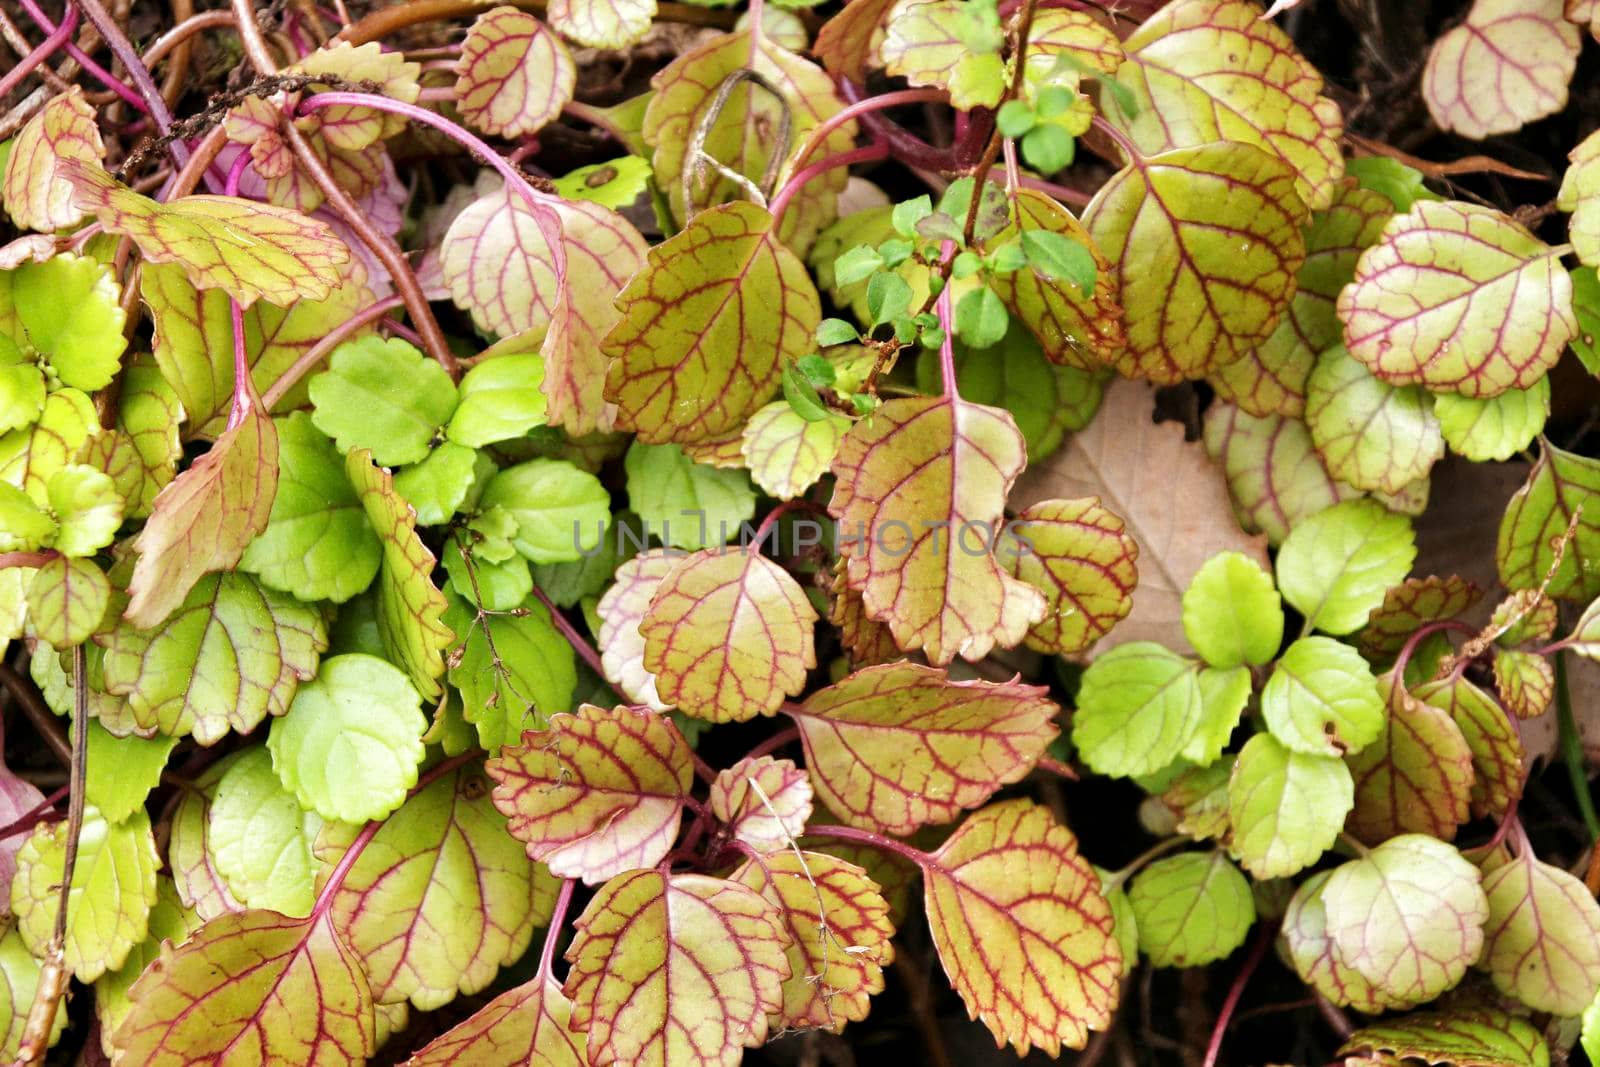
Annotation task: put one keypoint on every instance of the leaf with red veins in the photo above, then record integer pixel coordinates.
(1215, 70)
(1585, 13)
(1058, 32)
(525, 1025)
(603, 251)
(1205, 243)
(1373, 435)
(1506, 65)
(725, 451)
(1271, 378)
(611, 24)
(499, 263)
(205, 518)
(899, 746)
(1315, 959)
(351, 126)
(514, 76)
(785, 452)
(921, 491)
(763, 802)
(597, 793)
(838, 930)
(1458, 298)
(65, 128)
(358, 172)
(1022, 928)
(675, 971)
(707, 327)
(251, 987)
(728, 635)
(1275, 475)
(1416, 777)
(254, 122)
(847, 42)
(1526, 682)
(199, 884)
(1413, 604)
(1080, 555)
(1472, 1035)
(1499, 758)
(867, 641)
(1072, 328)
(1526, 615)
(621, 610)
(410, 607)
(250, 251)
(440, 899)
(942, 44)
(1542, 941)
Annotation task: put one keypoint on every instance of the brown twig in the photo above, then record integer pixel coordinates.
(1465, 165)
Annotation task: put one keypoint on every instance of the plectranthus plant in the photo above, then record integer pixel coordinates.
(618, 532)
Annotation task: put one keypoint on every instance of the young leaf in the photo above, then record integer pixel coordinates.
(1223, 694)
(69, 313)
(1335, 567)
(728, 635)
(1412, 604)
(1271, 378)
(838, 931)
(441, 897)
(1322, 699)
(717, 946)
(899, 746)
(34, 197)
(707, 327)
(1560, 486)
(128, 769)
(513, 671)
(763, 802)
(683, 503)
(500, 400)
(524, 1025)
(1416, 777)
(600, 792)
(555, 505)
(1138, 706)
(350, 126)
(250, 251)
(1232, 292)
(1505, 66)
(1232, 613)
(410, 606)
(232, 654)
(384, 396)
(1284, 808)
(1526, 682)
(67, 600)
(602, 23)
(113, 887)
(951, 45)
(1407, 917)
(1191, 909)
(351, 742)
(1022, 928)
(1479, 1037)
(918, 469)
(1488, 306)
(261, 839)
(205, 518)
(1081, 557)
(1542, 940)
(514, 76)
(1187, 70)
(621, 610)
(786, 452)
(252, 984)
(1499, 759)
(1497, 428)
(1372, 435)
(86, 507)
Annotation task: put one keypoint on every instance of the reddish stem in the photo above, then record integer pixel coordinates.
(866, 154)
(34, 815)
(702, 768)
(1257, 952)
(558, 919)
(871, 840)
(947, 350)
(1408, 649)
(243, 388)
(111, 81)
(1065, 194)
(1120, 139)
(27, 559)
(775, 742)
(319, 351)
(906, 146)
(579, 643)
(47, 48)
(1057, 768)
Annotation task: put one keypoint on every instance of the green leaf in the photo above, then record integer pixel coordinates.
(1232, 614)
(231, 654)
(560, 511)
(1335, 566)
(86, 507)
(492, 585)
(615, 184)
(1496, 428)
(1056, 255)
(888, 298)
(113, 887)
(686, 504)
(30, 455)
(1400, 183)
(21, 389)
(1322, 699)
(514, 671)
(981, 319)
(1471, 1037)
(950, 44)
(261, 839)
(1285, 808)
(318, 544)
(123, 770)
(1559, 484)
(67, 601)
(1049, 148)
(436, 487)
(1586, 306)
(501, 399)
(1138, 706)
(1223, 695)
(384, 396)
(190, 857)
(1542, 940)
(70, 311)
(23, 524)
(141, 453)
(1372, 435)
(350, 744)
(856, 264)
(1191, 909)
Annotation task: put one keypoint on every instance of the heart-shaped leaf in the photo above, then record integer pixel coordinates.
(1495, 428)
(1371, 435)
(514, 76)
(67, 600)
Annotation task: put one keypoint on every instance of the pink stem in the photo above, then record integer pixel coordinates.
(1410, 647)
(775, 742)
(1056, 767)
(866, 154)
(579, 643)
(56, 38)
(1122, 140)
(27, 559)
(244, 392)
(702, 768)
(1065, 194)
(100, 73)
(558, 919)
(1257, 951)
(871, 840)
(947, 350)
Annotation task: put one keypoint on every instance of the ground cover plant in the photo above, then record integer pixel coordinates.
(605, 532)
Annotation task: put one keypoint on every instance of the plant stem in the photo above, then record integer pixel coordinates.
(1572, 750)
(244, 390)
(1061, 192)
(558, 919)
(34, 815)
(206, 20)
(579, 643)
(27, 559)
(1257, 952)
(1056, 767)
(947, 348)
(1408, 649)
(252, 39)
(871, 840)
(47, 48)
(778, 740)
(95, 11)
(866, 154)
(1160, 848)
(319, 351)
(385, 21)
